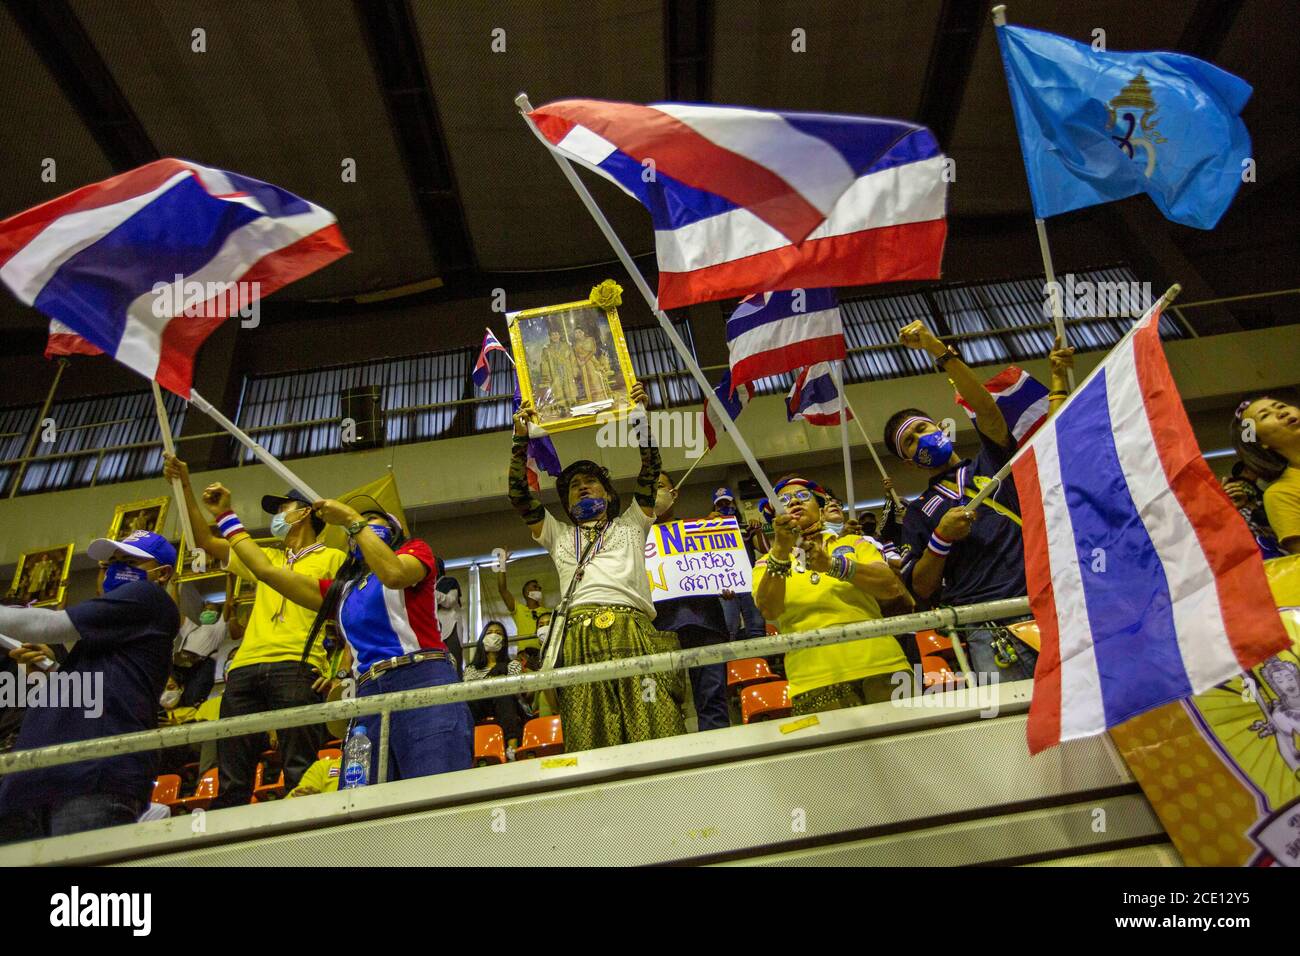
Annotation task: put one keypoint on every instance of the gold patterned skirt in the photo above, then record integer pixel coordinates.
(875, 689)
(605, 713)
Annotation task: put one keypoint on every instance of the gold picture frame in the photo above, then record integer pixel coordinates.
(147, 515)
(41, 577)
(572, 361)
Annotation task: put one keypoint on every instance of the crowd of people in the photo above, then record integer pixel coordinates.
(383, 616)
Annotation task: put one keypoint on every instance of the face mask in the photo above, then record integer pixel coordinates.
(448, 598)
(280, 526)
(837, 527)
(119, 574)
(169, 698)
(725, 508)
(663, 502)
(534, 595)
(493, 642)
(588, 509)
(933, 450)
(543, 632)
(382, 532)
(208, 617)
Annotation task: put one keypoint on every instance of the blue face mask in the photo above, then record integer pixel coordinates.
(280, 526)
(588, 509)
(933, 450)
(118, 574)
(835, 527)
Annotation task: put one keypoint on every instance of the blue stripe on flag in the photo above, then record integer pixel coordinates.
(779, 306)
(1129, 606)
(672, 203)
(861, 140)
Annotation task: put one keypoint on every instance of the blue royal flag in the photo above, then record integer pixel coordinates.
(1096, 126)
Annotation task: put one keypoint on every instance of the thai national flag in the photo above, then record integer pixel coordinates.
(482, 373)
(748, 200)
(1146, 584)
(144, 266)
(1022, 398)
(777, 332)
(733, 401)
(814, 397)
(542, 455)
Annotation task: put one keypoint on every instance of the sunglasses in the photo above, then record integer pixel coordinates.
(801, 495)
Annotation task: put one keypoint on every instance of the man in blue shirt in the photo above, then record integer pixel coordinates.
(953, 555)
(109, 684)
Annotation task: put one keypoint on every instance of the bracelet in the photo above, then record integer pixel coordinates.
(229, 525)
(1058, 393)
(843, 567)
(777, 567)
(942, 361)
(238, 536)
(939, 544)
(356, 527)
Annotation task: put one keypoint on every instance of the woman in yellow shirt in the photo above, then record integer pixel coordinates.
(1266, 434)
(814, 578)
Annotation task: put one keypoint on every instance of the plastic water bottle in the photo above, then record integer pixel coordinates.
(356, 759)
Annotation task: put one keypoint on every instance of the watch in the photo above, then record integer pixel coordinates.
(942, 361)
(355, 527)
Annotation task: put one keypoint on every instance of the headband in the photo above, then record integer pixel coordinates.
(898, 432)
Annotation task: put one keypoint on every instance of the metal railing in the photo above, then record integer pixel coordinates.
(661, 379)
(387, 704)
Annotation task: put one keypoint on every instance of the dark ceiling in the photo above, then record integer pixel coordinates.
(450, 185)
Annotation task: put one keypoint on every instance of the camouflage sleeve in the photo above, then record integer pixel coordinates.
(651, 465)
(525, 502)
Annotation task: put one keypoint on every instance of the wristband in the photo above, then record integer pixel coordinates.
(229, 525)
(237, 537)
(843, 567)
(778, 568)
(1058, 393)
(939, 544)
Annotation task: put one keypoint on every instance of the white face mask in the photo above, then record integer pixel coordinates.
(664, 502)
(543, 632)
(448, 599)
(493, 642)
(534, 595)
(169, 698)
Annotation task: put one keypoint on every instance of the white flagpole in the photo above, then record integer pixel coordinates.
(566, 167)
(198, 557)
(837, 372)
(880, 466)
(1054, 290)
(680, 481)
(264, 456)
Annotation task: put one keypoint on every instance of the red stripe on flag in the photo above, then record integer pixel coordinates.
(183, 335)
(1250, 617)
(1044, 727)
(887, 254)
(642, 133)
(787, 359)
(69, 343)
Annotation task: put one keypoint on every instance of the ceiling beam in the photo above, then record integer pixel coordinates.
(389, 30)
(65, 48)
(956, 38)
(1207, 27)
(688, 51)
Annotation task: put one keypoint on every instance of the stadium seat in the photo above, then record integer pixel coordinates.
(1027, 631)
(204, 794)
(330, 753)
(543, 736)
(751, 670)
(931, 643)
(938, 674)
(167, 789)
(489, 745)
(769, 701)
(266, 786)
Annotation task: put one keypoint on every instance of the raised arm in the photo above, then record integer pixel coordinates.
(988, 417)
(215, 546)
(394, 571)
(521, 495)
(503, 584)
(298, 588)
(651, 462)
(769, 596)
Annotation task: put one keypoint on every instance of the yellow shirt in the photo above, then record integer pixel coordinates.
(278, 628)
(321, 777)
(829, 603)
(1282, 504)
(526, 623)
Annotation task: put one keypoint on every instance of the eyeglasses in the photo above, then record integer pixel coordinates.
(802, 495)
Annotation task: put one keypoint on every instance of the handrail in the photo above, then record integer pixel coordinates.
(386, 704)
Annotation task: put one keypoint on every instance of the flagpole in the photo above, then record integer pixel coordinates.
(996, 480)
(39, 427)
(680, 481)
(198, 557)
(880, 466)
(1054, 290)
(525, 107)
(264, 456)
(837, 372)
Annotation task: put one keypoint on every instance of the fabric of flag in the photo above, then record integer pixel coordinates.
(144, 266)
(747, 200)
(777, 332)
(734, 401)
(814, 398)
(1022, 399)
(1146, 584)
(541, 455)
(64, 341)
(482, 373)
(1098, 125)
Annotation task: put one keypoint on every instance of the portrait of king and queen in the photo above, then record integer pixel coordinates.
(572, 360)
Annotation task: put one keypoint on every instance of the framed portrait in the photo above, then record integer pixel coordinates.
(41, 577)
(185, 569)
(145, 515)
(572, 360)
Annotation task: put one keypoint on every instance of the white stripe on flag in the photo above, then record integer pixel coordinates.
(395, 604)
(899, 195)
(590, 149)
(798, 327)
(1198, 616)
(31, 267)
(1082, 713)
(1030, 416)
(812, 166)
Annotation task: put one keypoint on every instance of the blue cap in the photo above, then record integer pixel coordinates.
(138, 544)
(723, 494)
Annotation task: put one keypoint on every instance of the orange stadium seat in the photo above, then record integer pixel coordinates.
(329, 753)
(489, 745)
(204, 794)
(938, 674)
(751, 670)
(770, 701)
(266, 787)
(1027, 631)
(543, 736)
(167, 789)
